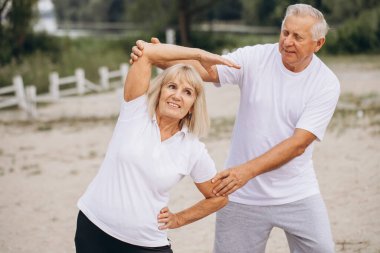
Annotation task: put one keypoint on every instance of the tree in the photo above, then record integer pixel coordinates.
(160, 14)
(18, 16)
(186, 14)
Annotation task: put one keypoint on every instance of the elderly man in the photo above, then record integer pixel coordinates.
(288, 96)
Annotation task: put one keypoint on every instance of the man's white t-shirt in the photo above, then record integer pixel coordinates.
(134, 180)
(273, 103)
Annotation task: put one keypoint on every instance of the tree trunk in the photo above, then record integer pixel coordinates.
(184, 21)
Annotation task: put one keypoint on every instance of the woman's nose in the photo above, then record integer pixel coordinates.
(177, 95)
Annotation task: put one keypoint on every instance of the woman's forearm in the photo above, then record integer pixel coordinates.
(200, 210)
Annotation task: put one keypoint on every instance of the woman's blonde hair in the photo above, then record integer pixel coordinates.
(198, 121)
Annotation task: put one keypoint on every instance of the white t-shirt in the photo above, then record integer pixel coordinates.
(274, 102)
(138, 171)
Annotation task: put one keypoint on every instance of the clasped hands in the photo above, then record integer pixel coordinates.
(225, 183)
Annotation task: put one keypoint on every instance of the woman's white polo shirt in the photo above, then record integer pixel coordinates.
(138, 171)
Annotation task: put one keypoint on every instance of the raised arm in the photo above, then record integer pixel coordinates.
(203, 208)
(202, 64)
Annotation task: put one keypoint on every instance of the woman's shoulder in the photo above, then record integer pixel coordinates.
(194, 143)
(135, 108)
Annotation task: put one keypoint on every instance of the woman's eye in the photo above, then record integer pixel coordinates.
(171, 86)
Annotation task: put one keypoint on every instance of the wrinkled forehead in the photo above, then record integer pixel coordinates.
(302, 23)
(185, 78)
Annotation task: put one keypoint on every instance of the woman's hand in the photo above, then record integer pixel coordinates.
(137, 50)
(169, 219)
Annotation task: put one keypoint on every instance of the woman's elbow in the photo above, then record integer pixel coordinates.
(223, 201)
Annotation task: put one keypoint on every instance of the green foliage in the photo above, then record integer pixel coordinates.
(86, 53)
(223, 10)
(357, 35)
(212, 42)
(15, 29)
(90, 10)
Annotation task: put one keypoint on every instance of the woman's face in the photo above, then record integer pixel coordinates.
(176, 100)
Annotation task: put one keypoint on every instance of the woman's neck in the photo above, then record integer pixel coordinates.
(168, 126)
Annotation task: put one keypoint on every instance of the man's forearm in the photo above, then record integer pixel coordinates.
(277, 156)
(166, 55)
(161, 54)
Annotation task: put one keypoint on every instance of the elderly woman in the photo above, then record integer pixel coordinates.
(154, 145)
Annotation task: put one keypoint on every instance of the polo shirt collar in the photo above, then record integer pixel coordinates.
(184, 129)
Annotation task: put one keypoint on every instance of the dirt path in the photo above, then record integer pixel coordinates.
(46, 165)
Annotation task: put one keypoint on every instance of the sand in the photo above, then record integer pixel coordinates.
(45, 166)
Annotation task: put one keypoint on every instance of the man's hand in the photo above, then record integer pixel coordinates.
(210, 60)
(137, 51)
(169, 219)
(230, 180)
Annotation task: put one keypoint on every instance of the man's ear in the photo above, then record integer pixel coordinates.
(320, 43)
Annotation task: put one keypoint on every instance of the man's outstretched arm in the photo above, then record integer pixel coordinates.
(207, 73)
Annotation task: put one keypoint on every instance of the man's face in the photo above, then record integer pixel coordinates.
(296, 42)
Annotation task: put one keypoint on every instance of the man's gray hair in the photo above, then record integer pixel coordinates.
(319, 29)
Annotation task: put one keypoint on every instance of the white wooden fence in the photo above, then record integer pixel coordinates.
(27, 98)
(13, 95)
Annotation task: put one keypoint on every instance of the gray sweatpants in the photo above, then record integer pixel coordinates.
(246, 228)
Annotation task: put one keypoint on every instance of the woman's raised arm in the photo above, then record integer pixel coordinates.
(138, 78)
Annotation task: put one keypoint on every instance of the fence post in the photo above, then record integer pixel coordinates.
(170, 36)
(19, 90)
(103, 73)
(225, 51)
(79, 75)
(123, 72)
(54, 86)
(31, 98)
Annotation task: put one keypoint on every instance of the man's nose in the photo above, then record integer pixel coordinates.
(288, 41)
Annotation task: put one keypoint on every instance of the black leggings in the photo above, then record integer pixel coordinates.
(90, 239)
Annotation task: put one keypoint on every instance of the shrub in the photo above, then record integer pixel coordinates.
(359, 35)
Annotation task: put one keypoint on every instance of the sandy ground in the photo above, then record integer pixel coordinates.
(46, 165)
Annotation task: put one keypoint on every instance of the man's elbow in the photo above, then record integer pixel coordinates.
(300, 148)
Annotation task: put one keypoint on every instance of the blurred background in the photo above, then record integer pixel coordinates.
(47, 160)
(41, 36)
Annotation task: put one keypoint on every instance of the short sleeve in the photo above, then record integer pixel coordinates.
(134, 108)
(204, 168)
(228, 75)
(250, 58)
(319, 111)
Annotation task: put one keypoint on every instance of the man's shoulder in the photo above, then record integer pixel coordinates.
(254, 54)
(325, 77)
(328, 75)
